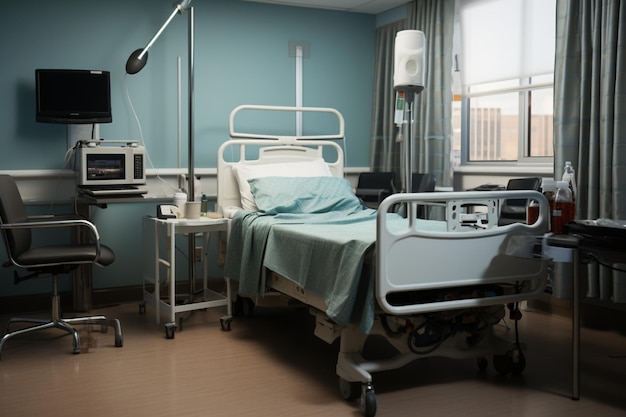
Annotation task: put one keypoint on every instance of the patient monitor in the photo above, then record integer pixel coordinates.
(109, 163)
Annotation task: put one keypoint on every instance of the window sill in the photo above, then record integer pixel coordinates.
(542, 170)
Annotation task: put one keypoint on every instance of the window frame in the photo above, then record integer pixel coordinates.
(525, 87)
(539, 75)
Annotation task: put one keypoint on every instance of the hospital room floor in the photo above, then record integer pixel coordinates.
(271, 364)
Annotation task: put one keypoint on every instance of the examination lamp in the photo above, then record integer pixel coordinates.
(138, 59)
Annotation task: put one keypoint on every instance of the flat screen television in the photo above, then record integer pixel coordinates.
(73, 96)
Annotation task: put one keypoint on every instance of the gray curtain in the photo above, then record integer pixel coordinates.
(432, 128)
(590, 116)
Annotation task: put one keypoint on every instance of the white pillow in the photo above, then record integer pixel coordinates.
(245, 172)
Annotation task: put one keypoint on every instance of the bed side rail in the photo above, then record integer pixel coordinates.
(467, 265)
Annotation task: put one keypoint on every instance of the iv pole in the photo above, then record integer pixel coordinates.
(408, 160)
(136, 61)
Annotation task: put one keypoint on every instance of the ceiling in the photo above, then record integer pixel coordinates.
(357, 6)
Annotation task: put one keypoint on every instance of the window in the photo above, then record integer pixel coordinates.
(503, 109)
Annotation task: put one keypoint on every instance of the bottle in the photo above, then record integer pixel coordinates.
(179, 201)
(203, 204)
(569, 175)
(532, 212)
(564, 208)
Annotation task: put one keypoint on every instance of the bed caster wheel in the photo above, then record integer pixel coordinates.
(368, 400)
(518, 362)
(350, 391)
(225, 323)
(142, 309)
(248, 307)
(501, 364)
(170, 330)
(482, 363)
(244, 307)
(512, 362)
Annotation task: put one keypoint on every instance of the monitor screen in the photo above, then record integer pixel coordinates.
(102, 167)
(73, 96)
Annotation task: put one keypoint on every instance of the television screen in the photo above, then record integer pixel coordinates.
(73, 96)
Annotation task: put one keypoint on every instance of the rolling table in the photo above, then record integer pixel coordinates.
(160, 269)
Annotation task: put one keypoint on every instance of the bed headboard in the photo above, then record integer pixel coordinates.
(264, 148)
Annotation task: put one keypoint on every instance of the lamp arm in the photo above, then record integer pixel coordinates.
(138, 59)
(155, 37)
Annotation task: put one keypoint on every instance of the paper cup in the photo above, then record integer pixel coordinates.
(192, 209)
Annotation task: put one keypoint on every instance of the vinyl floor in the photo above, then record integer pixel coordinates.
(271, 364)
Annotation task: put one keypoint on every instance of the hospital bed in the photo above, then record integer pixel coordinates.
(429, 287)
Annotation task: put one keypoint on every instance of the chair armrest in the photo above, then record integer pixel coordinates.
(47, 217)
(42, 223)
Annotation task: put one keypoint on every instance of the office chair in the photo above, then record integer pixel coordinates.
(373, 187)
(514, 210)
(47, 260)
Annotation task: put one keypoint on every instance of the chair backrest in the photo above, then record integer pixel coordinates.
(423, 183)
(12, 210)
(531, 183)
(513, 210)
(373, 187)
(376, 181)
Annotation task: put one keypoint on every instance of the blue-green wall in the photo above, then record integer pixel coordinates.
(241, 58)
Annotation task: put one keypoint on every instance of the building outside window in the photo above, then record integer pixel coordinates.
(503, 106)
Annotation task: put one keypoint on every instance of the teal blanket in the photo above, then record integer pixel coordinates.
(323, 253)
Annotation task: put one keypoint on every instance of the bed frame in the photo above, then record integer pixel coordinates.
(247, 148)
(463, 266)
